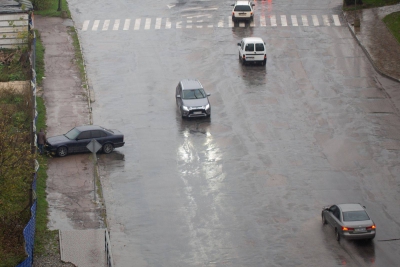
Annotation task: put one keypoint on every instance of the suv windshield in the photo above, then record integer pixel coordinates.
(242, 8)
(193, 94)
(351, 216)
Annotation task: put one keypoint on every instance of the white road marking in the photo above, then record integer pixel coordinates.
(116, 25)
(325, 20)
(169, 6)
(158, 24)
(106, 25)
(95, 25)
(262, 21)
(283, 20)
(304, 20)
(336, 20)
(137, 24)
(126, 25)
(85, 25)
(167, 24)
(294, 20)
(315, 20)
(230, 22)
(273, 20)
(147, 23)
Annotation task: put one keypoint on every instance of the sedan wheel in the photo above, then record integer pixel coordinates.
(108, 148)
(337, 234)
(62, 151)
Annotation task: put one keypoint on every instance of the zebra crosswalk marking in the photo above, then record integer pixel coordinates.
(85, 25)
(283, 20)
(325, 19)
(168, 24)
(147, 24)
(304, 20)
(336, 20)
(315, 20)
(158, 24)
(106, 25)
(137, 24)
(116, 25)
(95, 25)
(294, 20)
(126, 25)
(273, 20)
(230, 22)
(262, 21)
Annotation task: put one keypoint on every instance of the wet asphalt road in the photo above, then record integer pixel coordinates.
(245, 188)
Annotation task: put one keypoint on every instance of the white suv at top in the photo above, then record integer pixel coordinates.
(242, 10)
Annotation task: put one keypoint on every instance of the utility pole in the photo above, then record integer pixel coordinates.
(59, 5)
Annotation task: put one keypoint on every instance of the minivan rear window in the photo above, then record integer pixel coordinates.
(259, 47)
(242, 8)
(249, 47)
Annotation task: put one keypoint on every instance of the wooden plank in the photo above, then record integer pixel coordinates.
(10, 35)
(11, 23)
(11, 41)
(13, 29)
(20, 16)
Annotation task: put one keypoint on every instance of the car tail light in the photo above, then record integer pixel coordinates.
(371, 227)
(347, 228)
(244, 56)
(265, 56)
(233, 14)
(251, 13)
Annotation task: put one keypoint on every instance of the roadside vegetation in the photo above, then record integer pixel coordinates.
(348, 5)
(392, 21)
(16, 175)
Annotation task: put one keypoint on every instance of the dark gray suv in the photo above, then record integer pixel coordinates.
(191, 99)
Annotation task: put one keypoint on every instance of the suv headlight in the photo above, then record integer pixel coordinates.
(185, 108)
(207, 107)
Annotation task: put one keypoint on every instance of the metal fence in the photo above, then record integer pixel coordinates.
(29, 230)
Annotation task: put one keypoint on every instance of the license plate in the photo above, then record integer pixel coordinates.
(197, 112)
(360, 229)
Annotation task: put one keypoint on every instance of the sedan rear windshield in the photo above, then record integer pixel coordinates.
(193, 94)
(352, 216)
(242, 8)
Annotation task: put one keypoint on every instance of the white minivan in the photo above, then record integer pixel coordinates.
(252, 49)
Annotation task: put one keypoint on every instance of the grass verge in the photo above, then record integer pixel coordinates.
(51, 11)
(371, 3)
(392, 21)
(39, 64)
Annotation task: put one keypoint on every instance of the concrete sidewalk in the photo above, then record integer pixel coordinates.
(70, 188)
(382, 49)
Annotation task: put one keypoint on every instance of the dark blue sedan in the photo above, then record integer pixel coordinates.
(78, 138)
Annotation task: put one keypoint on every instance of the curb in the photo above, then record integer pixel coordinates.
(366, 51)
